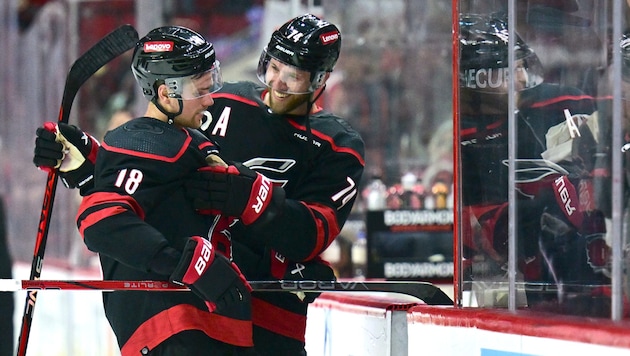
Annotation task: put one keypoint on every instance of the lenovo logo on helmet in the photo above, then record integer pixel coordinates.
(329, 37)
(159, 46)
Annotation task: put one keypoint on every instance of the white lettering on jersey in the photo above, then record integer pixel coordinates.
(573, 128)
(305, 138)
(129, 180)
(220, 128)
(346, 193)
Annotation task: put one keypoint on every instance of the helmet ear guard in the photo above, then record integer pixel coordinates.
(319, 79)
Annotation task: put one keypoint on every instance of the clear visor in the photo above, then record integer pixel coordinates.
(197, 85)
(286, 78)
(528, 72)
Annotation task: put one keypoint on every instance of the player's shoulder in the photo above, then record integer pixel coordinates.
(147, 136)
(331, 124)
(555, 90)
(338, 130)
(552, 96)
(231, 86)
(242, 91)
(204, 144)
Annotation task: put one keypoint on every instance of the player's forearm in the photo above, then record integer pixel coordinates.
(126, 239)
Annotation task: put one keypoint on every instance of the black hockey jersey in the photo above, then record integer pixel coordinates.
(319, 164)
(484, 139)
(484, 177)
(136, 208)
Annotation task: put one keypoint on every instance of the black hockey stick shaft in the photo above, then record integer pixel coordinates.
(111, 46)
(427, 292)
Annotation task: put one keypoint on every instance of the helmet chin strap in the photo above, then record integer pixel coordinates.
(317, 97)
(309, 133)
(169, 116)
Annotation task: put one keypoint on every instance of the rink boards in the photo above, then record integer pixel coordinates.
(359, 325)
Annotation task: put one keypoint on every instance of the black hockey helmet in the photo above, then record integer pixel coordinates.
(483, 44)
(173, 55)
(306, 43)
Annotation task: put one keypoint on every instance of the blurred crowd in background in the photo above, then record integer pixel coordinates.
(392, 83)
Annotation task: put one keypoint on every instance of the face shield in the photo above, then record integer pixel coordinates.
(286, 78)
(197, 85)
(494, 80)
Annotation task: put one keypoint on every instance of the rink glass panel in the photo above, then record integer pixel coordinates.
(540, 219)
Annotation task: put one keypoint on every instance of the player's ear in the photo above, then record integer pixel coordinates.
(163, 98)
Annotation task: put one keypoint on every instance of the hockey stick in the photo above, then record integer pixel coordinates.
(424, 291)
(111, 46)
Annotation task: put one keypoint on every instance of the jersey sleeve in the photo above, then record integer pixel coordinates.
(316, 211)
(134, 179)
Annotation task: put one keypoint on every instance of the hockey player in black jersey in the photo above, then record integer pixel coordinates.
(557, 218)
(314, 158)
(137, 217)
(300, 162)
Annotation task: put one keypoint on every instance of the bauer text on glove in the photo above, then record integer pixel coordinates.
(213, 278)
(235, 191)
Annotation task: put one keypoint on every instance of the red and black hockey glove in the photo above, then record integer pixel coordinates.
(234, 191)
(69, 149)
(213, 278)
(314, 270)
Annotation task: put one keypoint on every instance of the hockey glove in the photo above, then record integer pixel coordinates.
(214, 279)
(234, 191)
(69, 149)
(314, 270)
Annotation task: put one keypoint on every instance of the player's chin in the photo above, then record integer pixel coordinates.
(278, 108)
(196, 121)
(281, 106)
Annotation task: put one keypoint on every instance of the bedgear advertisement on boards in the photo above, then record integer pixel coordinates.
(410, 245)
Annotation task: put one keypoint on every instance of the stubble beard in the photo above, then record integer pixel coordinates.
(287, 106)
